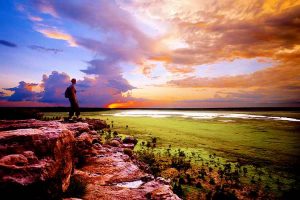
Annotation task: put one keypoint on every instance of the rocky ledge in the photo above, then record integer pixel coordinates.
(38, 159)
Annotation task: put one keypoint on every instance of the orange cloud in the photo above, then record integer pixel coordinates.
(278, 5)
(161, 58)
(281, 75)
(215, 31)
(55, 34)
(183, 69)
(279, 84)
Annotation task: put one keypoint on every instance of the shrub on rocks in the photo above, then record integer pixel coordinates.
(171, 173)
(130, 140)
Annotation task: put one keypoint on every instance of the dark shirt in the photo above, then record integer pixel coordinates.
(73, 92)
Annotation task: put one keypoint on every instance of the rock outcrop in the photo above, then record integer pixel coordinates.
(37, 159)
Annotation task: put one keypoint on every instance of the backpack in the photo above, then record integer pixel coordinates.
(68, 92)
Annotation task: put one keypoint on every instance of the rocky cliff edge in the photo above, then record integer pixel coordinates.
(39, 158)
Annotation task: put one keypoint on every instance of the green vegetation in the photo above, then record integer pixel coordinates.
(262, 154)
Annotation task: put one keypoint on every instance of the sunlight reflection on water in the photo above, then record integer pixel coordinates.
(196, 115)
(132, 184)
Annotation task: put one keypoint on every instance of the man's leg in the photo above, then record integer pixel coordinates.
(71, 112)
(77, 109)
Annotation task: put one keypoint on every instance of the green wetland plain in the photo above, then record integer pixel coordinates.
(239, 154)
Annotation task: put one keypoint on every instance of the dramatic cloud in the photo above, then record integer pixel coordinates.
(125, 44)
(124, 41)
(100, 91)
(204, 32)
(54, 87)
(195, 32)
(275, 85)
(105, 67)
(108, 85)
(273, 76)
(7, 43)
(23, 92)
(106, 16)
(131, 41)
(45, 49)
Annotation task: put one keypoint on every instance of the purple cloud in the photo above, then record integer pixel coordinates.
(106, 67)
(109, 73)
(23, 92)
(54, 87)
(97, 92)
(123, 36)
(102, 15)
(3, 96)
(112, 49)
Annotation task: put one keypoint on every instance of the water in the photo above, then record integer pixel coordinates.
(132, 184)
(198, 115)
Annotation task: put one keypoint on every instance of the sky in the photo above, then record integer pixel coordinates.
(151, 53)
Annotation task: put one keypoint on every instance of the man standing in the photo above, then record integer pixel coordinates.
(71, 94)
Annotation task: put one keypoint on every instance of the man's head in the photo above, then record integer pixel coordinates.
(73, 81)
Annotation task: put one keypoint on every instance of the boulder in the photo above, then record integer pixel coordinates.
(162, 192)
(36, 162)
(84, 141)
(77, 128)
(114, 143)
(96, 124)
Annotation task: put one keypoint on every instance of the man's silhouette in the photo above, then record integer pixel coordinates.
(73, 99)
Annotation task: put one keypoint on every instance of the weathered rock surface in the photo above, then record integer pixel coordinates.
(37, 159)
(26, 124)
(113, 175)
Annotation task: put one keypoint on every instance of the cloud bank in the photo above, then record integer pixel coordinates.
(179, 36)
(92, 92)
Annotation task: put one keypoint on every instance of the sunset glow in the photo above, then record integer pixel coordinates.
(192, 53)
